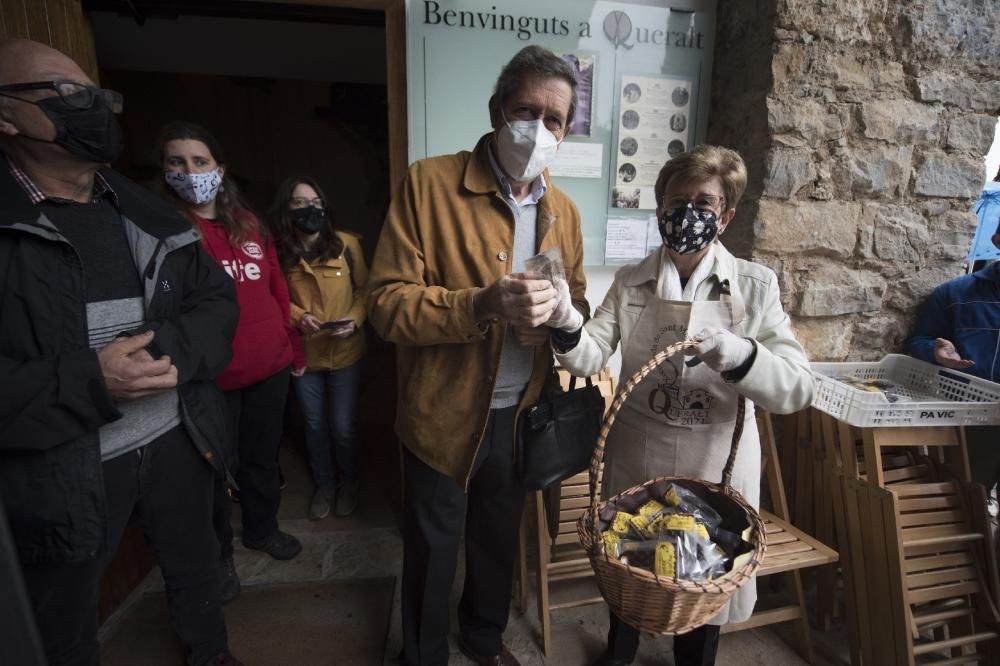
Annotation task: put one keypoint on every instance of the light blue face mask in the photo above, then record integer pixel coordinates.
(195, 188)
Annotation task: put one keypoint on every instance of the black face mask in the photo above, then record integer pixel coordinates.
(686, 229)
(309, 220)
(92, 133)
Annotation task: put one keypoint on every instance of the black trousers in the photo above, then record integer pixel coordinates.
(695, 648)
(169, 486)
(257, 412)
(436, 509)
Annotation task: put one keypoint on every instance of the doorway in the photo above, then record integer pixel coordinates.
(287, 90)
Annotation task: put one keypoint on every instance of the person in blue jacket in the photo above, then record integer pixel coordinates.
(959, 328)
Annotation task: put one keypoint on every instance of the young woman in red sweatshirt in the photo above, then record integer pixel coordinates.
(265, 348)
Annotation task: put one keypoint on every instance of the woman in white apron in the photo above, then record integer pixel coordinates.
(680, 419)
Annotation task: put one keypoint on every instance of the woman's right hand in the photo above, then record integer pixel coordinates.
(309, 324)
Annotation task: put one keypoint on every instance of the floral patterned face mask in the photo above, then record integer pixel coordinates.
(686, 229)
(195, 188)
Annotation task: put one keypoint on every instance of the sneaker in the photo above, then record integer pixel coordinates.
(229, 580)
(347, 498)
(319, 507)
(279, 545)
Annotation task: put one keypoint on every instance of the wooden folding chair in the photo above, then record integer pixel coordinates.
(789, 550)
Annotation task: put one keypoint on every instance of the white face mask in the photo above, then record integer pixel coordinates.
(195, 188)
(525, 148)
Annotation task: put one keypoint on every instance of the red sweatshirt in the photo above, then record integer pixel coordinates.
(265, 341)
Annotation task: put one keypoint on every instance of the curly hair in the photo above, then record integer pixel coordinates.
(702, 163)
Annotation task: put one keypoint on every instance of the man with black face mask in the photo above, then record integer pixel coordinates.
(115, 321)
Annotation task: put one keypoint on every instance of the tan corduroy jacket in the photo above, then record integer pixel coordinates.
(448, 234)
(330, 290)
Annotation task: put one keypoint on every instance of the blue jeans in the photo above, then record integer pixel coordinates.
(329, 400)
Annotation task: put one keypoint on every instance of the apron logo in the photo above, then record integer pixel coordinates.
(689, 408)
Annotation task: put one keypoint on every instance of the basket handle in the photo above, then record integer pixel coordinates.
(624, 390)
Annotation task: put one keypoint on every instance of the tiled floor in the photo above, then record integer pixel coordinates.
(362, 555)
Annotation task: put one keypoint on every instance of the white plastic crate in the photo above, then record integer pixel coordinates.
(926, 394)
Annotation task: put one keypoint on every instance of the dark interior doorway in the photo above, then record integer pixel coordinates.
(287, 90)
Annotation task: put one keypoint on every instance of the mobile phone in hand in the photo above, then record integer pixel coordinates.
(336, 323)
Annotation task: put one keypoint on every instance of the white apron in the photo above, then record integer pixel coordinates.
(679, 420)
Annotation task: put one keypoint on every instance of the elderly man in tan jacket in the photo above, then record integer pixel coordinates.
(448, 286)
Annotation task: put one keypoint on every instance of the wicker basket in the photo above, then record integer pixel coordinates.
(652, 603)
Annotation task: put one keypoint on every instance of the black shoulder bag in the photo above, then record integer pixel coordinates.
(559, 432)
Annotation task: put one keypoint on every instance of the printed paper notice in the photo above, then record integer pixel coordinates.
(578, 159)
(625, 239)
(631, 238)
(653, 120)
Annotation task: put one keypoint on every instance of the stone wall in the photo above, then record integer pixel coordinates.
(864, 124)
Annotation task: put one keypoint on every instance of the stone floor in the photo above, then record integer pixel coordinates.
(363, 551)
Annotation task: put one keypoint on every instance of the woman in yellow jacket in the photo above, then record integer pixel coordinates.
(326, 275)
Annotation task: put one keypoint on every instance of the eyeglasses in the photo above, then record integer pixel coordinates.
(76, 95)
(701, 202)
(552, 123)
(302, 202)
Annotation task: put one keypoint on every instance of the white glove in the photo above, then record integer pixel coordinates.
(565, 317)
(722, 350)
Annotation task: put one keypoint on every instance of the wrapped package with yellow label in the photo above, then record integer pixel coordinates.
(652, 509)
(680, 497)
(621, 523)
(672, 532)
(666, 559)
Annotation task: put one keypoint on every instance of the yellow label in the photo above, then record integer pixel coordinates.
(611, 544)
(701, 530)
(651, 508)
(680, 522)
(620, 523)
(642, 526)
(666, 559)
(673, 499)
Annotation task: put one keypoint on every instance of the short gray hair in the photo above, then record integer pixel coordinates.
(535, 61)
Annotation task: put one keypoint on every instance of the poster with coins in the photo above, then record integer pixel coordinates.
(652, 126)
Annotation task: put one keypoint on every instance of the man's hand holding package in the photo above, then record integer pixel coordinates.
(130, 371)
(519, 298)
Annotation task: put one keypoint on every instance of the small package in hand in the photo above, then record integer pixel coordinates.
(548, 264)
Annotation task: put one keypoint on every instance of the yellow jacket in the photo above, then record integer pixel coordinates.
(329, 291)
(448, 234)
